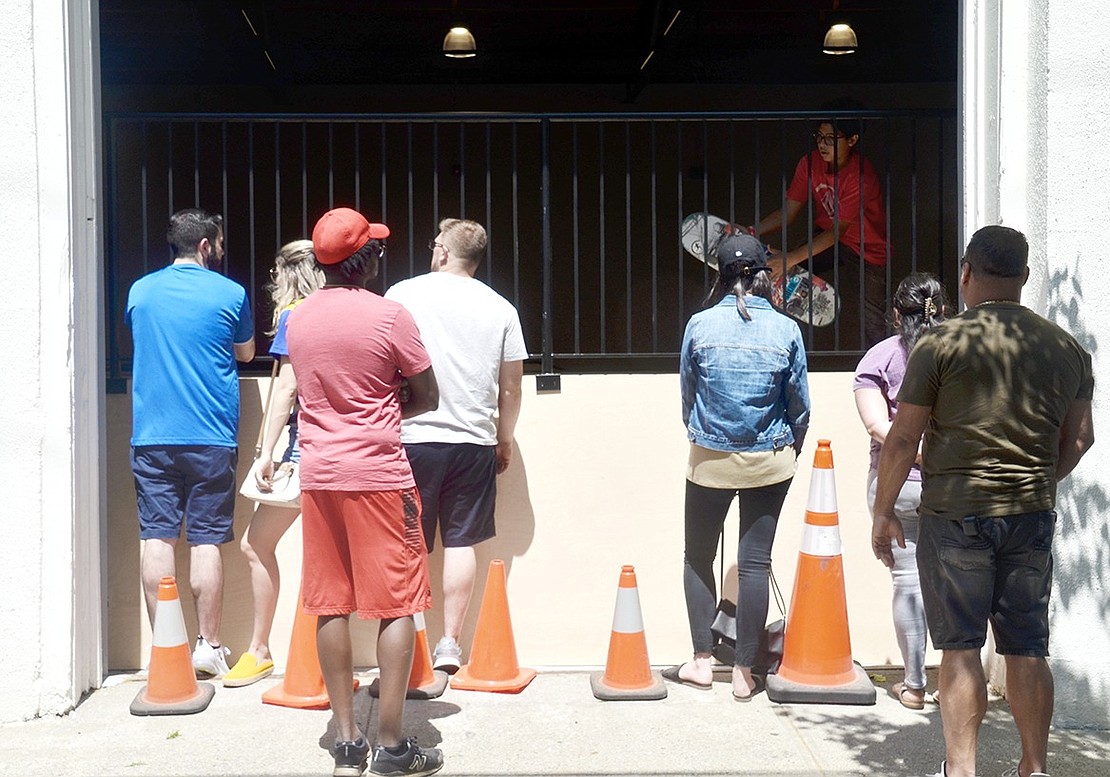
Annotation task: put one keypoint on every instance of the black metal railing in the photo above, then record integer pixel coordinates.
(583, 211)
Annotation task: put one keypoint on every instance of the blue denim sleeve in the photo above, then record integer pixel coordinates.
(797, 391)
(686, 374)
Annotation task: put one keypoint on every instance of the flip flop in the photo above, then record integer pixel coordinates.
(900, 690)
(758, 685)
(672, 675)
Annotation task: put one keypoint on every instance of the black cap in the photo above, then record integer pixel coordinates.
(741, 248)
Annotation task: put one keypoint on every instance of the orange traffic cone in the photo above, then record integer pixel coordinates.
(172, 687)
(493, 665)
(817, 664)
(628, 675)
(303, 685)
(424, 681)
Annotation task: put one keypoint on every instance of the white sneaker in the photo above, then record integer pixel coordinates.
(208, 661)
(447, 657)
(1013, 772)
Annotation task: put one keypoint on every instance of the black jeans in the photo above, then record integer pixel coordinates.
(841, 267)
(706, 510)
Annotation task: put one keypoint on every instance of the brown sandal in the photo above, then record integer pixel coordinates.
(901, 692)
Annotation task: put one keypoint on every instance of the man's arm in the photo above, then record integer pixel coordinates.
(509, 378)
(899, 452)
(821, 242)
(774, 221)
(423, 394)
(1077, 435)
(244, 352)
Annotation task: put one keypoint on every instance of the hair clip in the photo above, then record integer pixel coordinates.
(930, 307)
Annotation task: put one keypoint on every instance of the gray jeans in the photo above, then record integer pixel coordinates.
(909, 609)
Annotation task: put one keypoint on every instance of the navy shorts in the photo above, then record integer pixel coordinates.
(987, 569)
(190, 483)
(458, 489)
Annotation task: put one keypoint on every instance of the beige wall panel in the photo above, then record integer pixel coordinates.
(596, 482)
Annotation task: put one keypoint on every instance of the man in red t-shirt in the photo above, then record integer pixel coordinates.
(839, 179)
(363, 545)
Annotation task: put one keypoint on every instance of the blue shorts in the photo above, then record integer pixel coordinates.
(458, 490)
(987, 569)
(194, 483)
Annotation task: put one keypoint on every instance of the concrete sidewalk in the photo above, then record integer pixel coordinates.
(554, 727)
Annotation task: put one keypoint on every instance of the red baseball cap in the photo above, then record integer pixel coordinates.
(341, 232)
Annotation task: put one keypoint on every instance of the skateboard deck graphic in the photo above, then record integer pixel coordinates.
(799, 294)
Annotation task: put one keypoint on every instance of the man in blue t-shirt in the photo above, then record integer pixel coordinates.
(189, 326)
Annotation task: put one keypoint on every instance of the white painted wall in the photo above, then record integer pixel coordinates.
(1071, 77)
(1034, 108)
(23, 457)
(50, 596)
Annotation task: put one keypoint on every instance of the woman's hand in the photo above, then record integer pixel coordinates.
(264, 475)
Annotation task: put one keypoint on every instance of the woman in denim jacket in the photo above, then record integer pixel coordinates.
(745, 402)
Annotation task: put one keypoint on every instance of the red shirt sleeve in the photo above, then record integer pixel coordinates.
(408, 349)
(801, 183)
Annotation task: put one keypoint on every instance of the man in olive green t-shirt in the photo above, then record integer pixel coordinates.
(1003, 397)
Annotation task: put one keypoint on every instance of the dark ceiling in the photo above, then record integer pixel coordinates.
(310, 42)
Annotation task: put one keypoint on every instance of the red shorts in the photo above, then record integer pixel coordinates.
(364, 552)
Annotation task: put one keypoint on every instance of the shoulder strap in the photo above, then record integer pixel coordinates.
(266, 409)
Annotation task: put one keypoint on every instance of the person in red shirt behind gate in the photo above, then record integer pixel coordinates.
(838, 177)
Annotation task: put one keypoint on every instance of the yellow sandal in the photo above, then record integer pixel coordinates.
(247, 670)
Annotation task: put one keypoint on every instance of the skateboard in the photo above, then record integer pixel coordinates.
(799, 293)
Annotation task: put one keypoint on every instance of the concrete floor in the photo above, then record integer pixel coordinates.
(553, 727)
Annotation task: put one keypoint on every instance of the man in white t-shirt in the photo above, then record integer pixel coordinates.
(474, 338)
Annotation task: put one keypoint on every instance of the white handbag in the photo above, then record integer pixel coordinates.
(286, 482)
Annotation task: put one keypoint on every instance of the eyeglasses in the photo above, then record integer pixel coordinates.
(433, 245)
(827, 140)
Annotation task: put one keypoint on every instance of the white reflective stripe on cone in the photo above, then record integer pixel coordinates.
(169, 624)
(627, 618)
(418, 620)
(821, 540)
(822, 491)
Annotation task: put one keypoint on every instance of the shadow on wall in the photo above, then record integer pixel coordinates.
(516, 527)
(1082, 547)
(126, 611)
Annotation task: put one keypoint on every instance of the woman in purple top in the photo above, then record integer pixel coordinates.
(918, 305)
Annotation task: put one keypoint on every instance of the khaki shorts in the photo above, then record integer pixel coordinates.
(364, 552)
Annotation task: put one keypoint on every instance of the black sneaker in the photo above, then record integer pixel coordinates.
(414, 762)
(350, 758)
